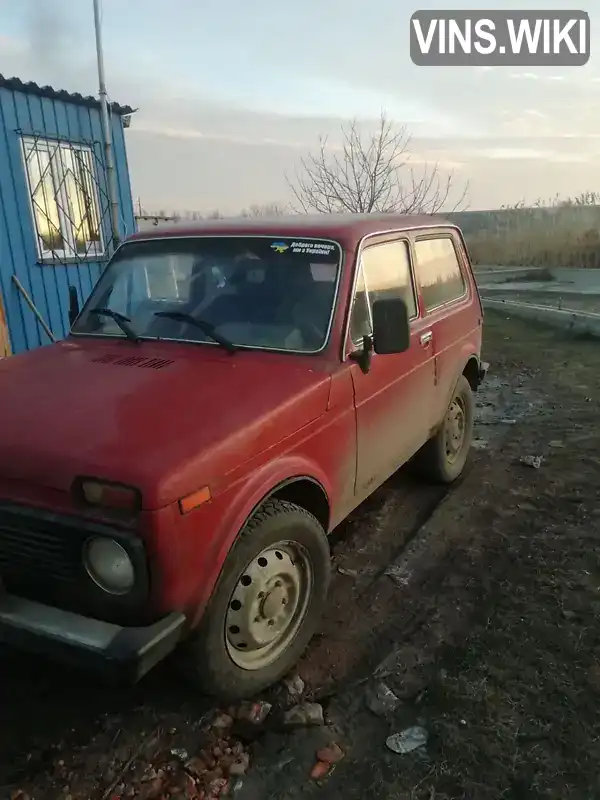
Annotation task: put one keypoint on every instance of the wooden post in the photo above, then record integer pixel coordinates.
(4, 337)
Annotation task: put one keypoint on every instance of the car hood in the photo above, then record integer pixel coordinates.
(163, 417)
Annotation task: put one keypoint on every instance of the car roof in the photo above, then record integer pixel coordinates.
(348, 229)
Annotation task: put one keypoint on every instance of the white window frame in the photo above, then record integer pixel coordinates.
(94, 250)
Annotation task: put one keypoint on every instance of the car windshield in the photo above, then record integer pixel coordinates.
(250, 291)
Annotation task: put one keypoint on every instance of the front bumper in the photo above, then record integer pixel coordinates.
(113, 650)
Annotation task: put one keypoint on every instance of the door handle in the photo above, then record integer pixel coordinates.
(426, 338)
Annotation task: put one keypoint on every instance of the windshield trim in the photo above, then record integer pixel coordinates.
(328, 332)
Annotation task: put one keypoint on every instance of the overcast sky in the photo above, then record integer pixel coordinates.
(232, 94)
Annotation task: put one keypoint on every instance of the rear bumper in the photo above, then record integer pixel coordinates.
(100, 646)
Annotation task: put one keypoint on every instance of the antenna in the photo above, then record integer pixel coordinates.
(106, 129)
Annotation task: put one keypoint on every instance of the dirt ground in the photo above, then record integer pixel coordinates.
(479, 608)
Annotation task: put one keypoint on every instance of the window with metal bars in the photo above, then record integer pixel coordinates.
(66, 199)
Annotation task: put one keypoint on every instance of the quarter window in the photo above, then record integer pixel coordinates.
(384, 273)
(438, 271)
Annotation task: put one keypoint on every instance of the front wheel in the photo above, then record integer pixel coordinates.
(266, 605)
(442, 459)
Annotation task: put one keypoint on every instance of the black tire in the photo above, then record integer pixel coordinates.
(432, 461)
(206, 656)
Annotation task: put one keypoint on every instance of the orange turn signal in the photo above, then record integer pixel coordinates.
(192, 501)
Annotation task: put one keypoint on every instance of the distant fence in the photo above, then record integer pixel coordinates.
(561, 236)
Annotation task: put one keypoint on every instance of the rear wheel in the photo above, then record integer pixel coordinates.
(443, 458)
(266, 605)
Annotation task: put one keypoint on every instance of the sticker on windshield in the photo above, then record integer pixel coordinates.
(280, 247)
(313, 248)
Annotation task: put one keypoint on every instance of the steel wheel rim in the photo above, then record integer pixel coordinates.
(268, 605)
(455, 429)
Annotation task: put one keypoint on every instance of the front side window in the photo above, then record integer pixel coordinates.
(251, 291)
(63, 188)
(384, 271)
(438, 271)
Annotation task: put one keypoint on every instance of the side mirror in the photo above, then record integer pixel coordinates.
(73, 305)
(391, 327)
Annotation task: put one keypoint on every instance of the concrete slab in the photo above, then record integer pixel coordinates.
(567, 301)
(494, 275)
(573, 281)
(575, 322)
(556, 287)
(528, 286)
(578, 276)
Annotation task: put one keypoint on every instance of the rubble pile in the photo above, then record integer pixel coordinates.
(216, 755)
(213, 771)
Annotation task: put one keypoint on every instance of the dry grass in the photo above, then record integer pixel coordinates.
(552, 233)
(563, 233)
(537, 246)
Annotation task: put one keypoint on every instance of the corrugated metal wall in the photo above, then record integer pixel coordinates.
(23, 114)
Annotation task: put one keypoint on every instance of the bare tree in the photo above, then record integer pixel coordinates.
(370, 174)
(187, 216)
(265, 210)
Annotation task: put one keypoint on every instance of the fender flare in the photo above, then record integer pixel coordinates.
(256, 490)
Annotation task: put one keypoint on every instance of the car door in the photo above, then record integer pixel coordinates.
(393, 399)
(447, 308)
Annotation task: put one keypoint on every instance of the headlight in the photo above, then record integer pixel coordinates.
(109, 565)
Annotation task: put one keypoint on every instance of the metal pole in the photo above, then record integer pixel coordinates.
(31, 305)
(106, 128)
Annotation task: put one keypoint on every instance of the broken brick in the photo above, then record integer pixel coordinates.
(320, 771)
(332, 754)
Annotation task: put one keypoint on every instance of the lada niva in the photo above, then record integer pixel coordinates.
(227, 395)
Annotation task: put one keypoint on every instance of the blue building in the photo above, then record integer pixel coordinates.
(55, 207)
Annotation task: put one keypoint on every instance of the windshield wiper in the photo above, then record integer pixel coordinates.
(206, 327)
(122, 321)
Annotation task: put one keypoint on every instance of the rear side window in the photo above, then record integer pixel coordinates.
(384, 272)
(438, 271)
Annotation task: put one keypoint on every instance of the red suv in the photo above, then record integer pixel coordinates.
(228, 394)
